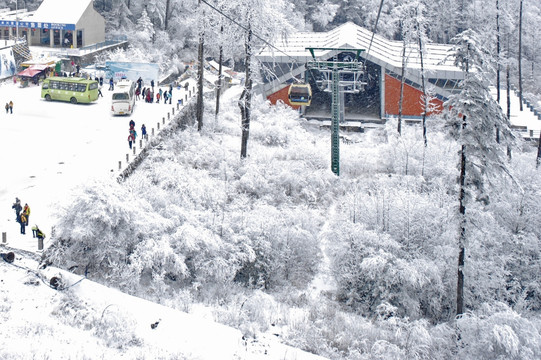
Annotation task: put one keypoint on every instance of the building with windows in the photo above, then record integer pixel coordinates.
(285, 63)
(56, 23)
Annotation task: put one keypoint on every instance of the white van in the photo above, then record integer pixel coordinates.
(123, 100)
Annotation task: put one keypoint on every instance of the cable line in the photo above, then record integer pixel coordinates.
(246, 29)
(375, 26)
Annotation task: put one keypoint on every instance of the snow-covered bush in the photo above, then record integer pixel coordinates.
(498, 332)
(372, 268)
(98, 231)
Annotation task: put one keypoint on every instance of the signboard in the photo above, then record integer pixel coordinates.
(37, 25)
(132, 71)
(7, 63)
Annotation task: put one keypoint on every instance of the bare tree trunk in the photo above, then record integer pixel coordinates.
(246, 97)
(166, 17)
(498, 49)
(400, 103)
(200, 71)
(426, 100)
(538, 161)
(220, 78)
(508, 94)
(520, 56)
(462, 230)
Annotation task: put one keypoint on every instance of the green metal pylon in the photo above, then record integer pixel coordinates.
(335, 122)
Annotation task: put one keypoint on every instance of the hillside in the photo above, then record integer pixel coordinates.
(359, 266)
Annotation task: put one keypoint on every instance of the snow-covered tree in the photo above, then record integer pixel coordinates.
(144, 37)
(473, 117)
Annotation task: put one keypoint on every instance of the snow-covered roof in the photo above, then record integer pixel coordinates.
(61, 11)
(384, 52)
(377, 49)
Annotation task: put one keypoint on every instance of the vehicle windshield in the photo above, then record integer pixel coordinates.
(121, 96)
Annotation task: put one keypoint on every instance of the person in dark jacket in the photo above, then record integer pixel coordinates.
(144, 132)
(17, 207)
(22, 220)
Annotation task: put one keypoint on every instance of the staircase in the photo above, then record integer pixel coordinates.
(21, 53)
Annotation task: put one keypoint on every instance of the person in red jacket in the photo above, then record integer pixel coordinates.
(131, 139)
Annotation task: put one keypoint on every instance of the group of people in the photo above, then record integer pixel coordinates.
(22, 214)
(9, 107)
(23, 217)
(147, 93)
(133, 133)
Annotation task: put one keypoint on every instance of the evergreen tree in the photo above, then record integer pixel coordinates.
(472, 117)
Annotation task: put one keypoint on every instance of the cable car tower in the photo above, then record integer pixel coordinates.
(338, 77)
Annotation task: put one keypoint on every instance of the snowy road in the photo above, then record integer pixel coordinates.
(48, 148)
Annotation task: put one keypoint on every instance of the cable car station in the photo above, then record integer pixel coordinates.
(291, 67)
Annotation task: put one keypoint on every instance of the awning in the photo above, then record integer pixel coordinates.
(29, 72)
(39, 67)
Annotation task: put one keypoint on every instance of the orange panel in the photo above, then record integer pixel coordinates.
(412, 105)
(283, 96)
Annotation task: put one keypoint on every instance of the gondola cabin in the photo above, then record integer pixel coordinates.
(300, 94)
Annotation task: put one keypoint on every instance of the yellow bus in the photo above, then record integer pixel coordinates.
(72, 89)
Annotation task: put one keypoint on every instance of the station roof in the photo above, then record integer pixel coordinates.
(384, 52)
(61, 11)
(52, 14)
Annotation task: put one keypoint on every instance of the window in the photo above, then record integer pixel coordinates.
(93, 86)
(121, 96)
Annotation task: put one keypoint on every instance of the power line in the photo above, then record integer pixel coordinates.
(375, 26)
(246, 29)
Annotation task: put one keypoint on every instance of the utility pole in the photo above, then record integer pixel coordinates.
(17, 19)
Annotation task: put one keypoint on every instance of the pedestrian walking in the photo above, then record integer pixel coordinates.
(7, 108)
(131, 139)
(17, 207)
(132, 125)
(170, 93)
(158, 96)
(165, 96)
(26, 213)
(152, 84)
(137, 93)
(111, 84)
(144, 132)
(22, 220)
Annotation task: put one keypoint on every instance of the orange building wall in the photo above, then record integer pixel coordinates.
(412, 105)
(283, 96)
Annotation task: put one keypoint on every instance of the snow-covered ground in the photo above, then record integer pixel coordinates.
(91, 321)
(47, 148)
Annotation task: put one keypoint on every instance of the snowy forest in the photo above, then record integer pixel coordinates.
(427, 246)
